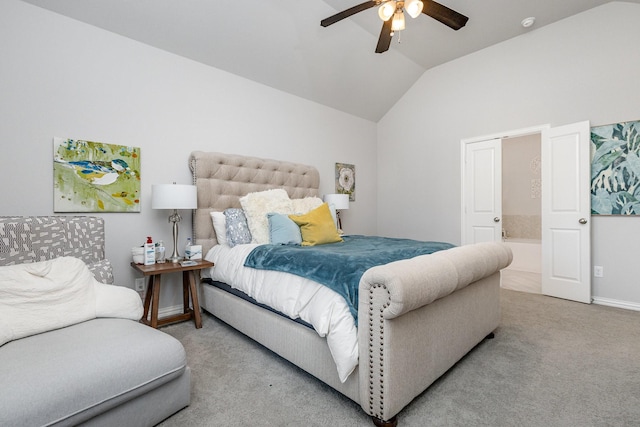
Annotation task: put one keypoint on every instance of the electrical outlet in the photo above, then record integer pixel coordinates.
(598, 271)
(140, 284)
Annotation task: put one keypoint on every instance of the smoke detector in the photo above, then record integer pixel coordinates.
(527, 22)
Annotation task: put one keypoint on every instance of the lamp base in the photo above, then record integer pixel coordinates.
(175, 219)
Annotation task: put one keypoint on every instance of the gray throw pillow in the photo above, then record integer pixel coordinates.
(237, 228)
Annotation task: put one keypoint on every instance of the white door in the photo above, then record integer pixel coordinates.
(482, 192)
(566, 212)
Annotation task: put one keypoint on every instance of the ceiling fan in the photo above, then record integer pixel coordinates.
(392, 13)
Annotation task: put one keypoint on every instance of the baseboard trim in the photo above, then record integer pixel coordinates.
(170, 311)
(627, 305)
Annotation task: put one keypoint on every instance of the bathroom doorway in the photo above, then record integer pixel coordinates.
(522, 211)
(565, 204)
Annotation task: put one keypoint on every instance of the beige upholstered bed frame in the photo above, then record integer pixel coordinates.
(416, 318)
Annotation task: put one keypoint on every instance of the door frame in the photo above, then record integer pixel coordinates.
(499, 135)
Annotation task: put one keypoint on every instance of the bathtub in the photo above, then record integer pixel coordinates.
(527, 255)
(525, 272)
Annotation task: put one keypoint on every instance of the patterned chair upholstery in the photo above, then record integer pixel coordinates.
(40, 238)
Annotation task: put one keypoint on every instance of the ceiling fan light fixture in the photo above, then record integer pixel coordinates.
(413, 7)
(386, 10)
(392, 13)
(398, 21)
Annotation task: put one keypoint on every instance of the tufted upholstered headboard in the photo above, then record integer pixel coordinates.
(221, 179)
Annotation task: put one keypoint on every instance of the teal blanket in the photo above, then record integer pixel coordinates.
(339, 266)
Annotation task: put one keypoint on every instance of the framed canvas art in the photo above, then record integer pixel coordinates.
(346, 180)
(615, 169)
(95, 177)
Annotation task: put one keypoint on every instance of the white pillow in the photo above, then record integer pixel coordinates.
(220, 227)
(257, 205)
(306, 205)
(332, 209)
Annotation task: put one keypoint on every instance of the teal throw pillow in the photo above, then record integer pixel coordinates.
(282, 230)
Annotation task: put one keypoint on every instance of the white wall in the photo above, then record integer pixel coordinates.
(60, 77)
(519, 170)
(521, 187)
(585, 67)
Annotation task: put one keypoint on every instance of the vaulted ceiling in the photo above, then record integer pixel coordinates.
(281, 44)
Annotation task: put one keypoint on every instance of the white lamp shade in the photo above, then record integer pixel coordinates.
(174, 196)
(386, 10)
(398, 21)
(339, 201)
(413, 7)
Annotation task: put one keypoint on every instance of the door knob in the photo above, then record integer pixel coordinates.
(496, 219)
(582, 220)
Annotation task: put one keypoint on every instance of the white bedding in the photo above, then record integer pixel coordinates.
(294, 296)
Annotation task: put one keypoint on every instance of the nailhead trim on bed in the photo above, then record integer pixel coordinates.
(372, 364)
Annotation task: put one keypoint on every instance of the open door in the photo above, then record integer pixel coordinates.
(482, 192)
(566, 212)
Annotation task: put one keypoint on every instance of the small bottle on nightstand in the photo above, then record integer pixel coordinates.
(160, 249)
(187, 249)
(149, 252)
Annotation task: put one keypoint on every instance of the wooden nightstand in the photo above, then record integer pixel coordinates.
(152, 296)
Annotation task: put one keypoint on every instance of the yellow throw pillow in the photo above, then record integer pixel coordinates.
(317, 226)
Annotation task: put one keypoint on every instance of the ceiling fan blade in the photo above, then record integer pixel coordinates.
(347, 13)
(448, 17)
(385, 37)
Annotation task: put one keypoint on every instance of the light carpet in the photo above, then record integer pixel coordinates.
(552, 363)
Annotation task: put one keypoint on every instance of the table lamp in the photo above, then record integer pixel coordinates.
(174, 196)
(339, 201)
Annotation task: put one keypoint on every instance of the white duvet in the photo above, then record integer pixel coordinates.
(293, 296)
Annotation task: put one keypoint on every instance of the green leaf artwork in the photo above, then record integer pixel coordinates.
(615, 169)
(95, 177)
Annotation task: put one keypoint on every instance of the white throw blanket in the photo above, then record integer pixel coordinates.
(42, 296)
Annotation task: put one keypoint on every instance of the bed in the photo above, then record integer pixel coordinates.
(415, 317)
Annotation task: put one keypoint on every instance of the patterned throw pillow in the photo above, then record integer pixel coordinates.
(237, 229)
